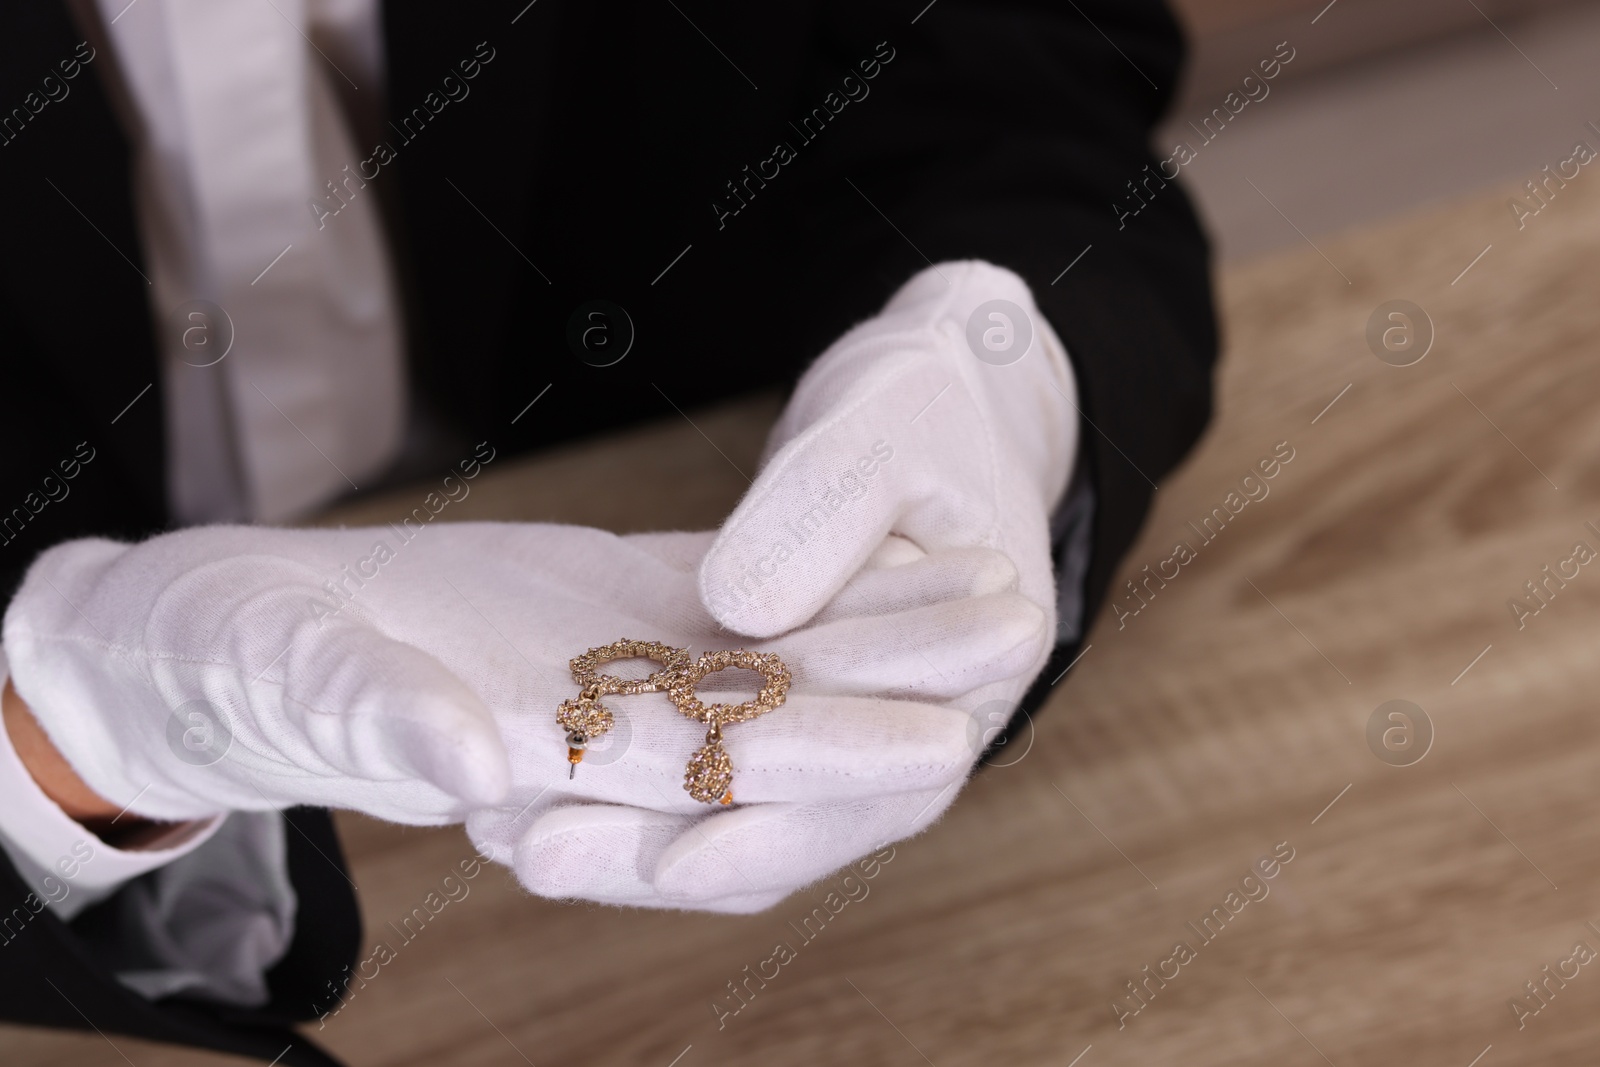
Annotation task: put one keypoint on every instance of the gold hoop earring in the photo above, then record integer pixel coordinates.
(584, 717)
(709, 775)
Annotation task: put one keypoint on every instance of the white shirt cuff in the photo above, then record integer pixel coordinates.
(68, 867)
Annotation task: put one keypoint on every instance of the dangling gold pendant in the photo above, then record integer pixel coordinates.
(709, 775)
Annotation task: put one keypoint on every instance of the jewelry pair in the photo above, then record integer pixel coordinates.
(709, 775)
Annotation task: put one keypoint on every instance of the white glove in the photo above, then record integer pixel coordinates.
(900, 427)
(428, 687)
(209, 670)
(862, 722)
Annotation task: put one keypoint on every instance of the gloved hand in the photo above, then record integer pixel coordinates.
(213, 669)
(418, 680)
(861, 726)
(950, 419)
(901, 427)
(898, 429)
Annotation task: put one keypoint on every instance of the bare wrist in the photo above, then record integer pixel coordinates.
(50, 770)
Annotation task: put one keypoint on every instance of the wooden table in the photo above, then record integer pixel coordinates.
(1229, 716)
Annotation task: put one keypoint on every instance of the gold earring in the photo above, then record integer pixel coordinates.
(584, 717)
(709, 775)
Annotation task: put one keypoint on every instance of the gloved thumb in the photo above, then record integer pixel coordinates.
(381, 710)
(871, 463)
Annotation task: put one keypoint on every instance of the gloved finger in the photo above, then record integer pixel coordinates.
(845, 748)
(878, 463)
(894, 551)
(871, 639)
(895, 576)
(880, 588)
(898, 575)
(592, 851)
(812, 748)
(938, 652)
(608, 853)
(777, 848)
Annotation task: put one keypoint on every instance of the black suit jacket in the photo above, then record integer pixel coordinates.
(744, 187)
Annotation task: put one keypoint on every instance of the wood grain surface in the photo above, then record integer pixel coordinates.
(1231, 36)
(1229, 717)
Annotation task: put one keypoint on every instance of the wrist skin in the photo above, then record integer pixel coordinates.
(58, 781)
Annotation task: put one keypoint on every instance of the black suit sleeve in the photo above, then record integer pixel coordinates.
(1017, 133)
(80, 435)
(49, 978)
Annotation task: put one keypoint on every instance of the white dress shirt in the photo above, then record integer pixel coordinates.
(244, 125)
